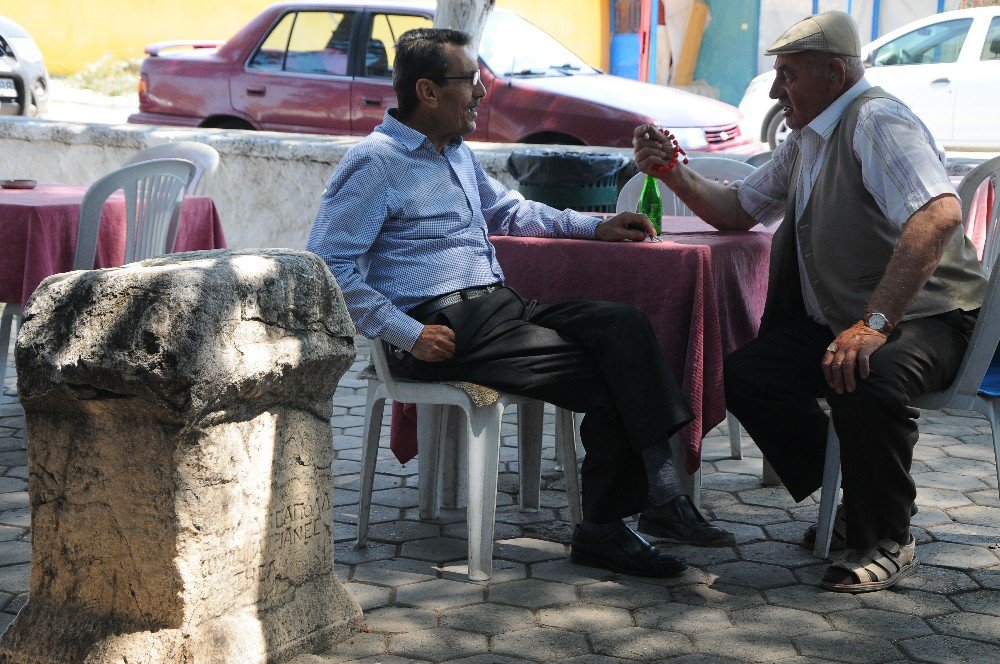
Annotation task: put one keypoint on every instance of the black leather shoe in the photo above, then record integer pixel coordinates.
(680, 521)
(624, 551)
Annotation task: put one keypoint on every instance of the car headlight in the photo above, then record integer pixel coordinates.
(690, 138)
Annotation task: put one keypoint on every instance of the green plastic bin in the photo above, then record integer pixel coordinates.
(582, 181)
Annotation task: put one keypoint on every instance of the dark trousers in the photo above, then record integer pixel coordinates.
(772, 384)
(598, 358)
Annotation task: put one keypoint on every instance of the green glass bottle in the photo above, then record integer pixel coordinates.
(650, 203)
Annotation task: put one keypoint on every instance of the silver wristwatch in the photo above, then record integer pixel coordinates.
(878, 322)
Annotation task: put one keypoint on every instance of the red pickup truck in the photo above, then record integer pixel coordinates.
(326, 67)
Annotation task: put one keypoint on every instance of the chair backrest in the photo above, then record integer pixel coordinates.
(204, 157)
(153, 194)
(713, 168)
(382, 365)
(988, 170)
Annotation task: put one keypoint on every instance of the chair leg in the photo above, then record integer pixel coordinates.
(829, 495)
(530, 418)
(566, 441)
(452, 461)
(768, 477)
(484, 464)
(374, 408)
(692, 483)
(735, 442)
(990, 407)
(8, 330)
(429, 440)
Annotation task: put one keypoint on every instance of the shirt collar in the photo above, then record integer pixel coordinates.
(410, 138)
(824, 123)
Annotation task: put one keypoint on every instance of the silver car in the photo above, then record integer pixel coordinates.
(24, 81)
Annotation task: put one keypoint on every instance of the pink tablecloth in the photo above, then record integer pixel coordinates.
(702, 290)
(38, 227)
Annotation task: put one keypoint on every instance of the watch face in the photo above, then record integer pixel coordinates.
(877, 322)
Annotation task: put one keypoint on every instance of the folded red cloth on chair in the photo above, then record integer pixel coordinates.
(403, 431)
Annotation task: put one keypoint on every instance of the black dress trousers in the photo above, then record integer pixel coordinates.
(598, 358)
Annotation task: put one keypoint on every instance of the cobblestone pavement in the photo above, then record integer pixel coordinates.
(756, 602)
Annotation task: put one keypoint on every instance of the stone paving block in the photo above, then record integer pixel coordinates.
(977, 514)
(682, 618)
(369, 596)
(847, 647)
(980, 601)
(935, 480)
(541, 644)
(713, 498)
(563, 571)
(928, 517)
(15, 578)
(488, 659)
(959, 466)
(528, 550)
(988, 497)
(698, 557)
(624, 594)
(503, 571)
(11, 484)
(743, 532)
(438, 644)
(512, 514)
(397, 532)
(362, 644)
(746, 645)
(937, 580)
(13, 500)
(19, 518)
(970, 625)
(532, 593)
(747, 465)
(582, 617)
(886, 624)
(779, 619)
(768, 496)
(751, 514)
(966, 533)
(908, 601)
(780, 553)
(436, 549)
(14, 552)
(488, 619)
(811, 598)
(439, 594)
(501, 531)
(641, 643)
(400, 619)
(730, 482)
(394, 572)
(978, 449)
(941, 649)
(718, 594)
(944, 499)
(401, 498)
(960, 556)
(17, 604)
(753, 574)
(789, 531)
(703, 659)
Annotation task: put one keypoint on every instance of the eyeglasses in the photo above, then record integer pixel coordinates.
(474, 78)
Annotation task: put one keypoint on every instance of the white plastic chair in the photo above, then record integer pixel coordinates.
(963, 394)
(204, 157)
(153, 194)
(482, 436)
(988, 170)
(720, 170)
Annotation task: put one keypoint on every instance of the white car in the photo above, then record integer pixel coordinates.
(945, 67)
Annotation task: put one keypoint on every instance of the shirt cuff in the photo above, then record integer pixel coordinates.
(402, 331)
(585, 227)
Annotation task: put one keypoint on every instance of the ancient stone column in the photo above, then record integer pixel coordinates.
(177, 414)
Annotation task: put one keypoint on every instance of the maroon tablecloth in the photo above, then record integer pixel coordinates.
(38, 227)
(703, 291)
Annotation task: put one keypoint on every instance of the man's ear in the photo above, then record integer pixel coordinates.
(427, 92)
(837, 73)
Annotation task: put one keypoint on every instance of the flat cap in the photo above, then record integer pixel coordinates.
(830, 32)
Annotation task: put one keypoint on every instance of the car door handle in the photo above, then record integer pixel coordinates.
(367, 101)
(944, 79)
(256, 92)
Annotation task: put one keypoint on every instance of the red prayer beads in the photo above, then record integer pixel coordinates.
(678, 152)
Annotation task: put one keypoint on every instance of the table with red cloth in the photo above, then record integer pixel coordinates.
(703, 291)
(39, 228)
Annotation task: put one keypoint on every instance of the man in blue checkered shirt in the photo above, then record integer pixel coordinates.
(404, 226)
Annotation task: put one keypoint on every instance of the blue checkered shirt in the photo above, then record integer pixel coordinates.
(400, 223)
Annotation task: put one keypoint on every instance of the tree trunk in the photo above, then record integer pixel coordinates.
(465, 15)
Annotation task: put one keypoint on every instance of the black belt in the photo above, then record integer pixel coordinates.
(438, 303)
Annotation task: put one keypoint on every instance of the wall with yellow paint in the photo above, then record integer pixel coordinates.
(72, 33)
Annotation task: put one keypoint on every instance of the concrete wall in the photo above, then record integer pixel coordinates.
(267, 188)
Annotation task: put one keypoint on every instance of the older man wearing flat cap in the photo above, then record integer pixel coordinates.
(872, 295)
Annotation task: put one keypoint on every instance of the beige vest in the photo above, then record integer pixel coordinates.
(846, 242)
